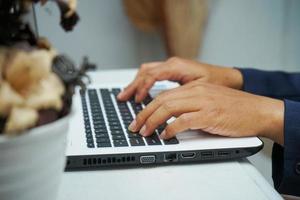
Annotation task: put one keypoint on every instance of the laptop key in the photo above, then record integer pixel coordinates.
(120, 143)
(116, 132)
(102, 135)
(118, 137)
(147, 100)
(153, 140)
(89, 140)
(171, 141)
(134, 135)
(90, 145)
(102, 140)
(99, 145)
(137, 142)
(115, 127)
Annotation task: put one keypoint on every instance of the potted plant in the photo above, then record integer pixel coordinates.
(35, 105)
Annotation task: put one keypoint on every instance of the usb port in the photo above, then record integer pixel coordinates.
(223, 153)
(207, 154)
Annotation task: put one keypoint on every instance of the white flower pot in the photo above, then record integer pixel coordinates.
(32, 164)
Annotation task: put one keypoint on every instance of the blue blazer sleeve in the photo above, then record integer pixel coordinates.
(272, 83)
(285, 161)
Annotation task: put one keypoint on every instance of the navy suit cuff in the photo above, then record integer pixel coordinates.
(290, 183)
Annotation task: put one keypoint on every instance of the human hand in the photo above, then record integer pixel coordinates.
(214, 109)
(182, 71)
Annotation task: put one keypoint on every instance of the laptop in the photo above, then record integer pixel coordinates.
(99, 136)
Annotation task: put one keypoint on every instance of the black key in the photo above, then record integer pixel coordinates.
(137, 142)
(99, 145)
(99, 126)
(102, 140)
(118, 137)
(153, 140)
(102, 135)
(114, 123)
(171, 141)
(120, 143)
(147, 100)
(161, 128)
(134, 135)
(115, 127)
(117, 132)
(88, 131)
(100, 130)
(90, 145)
(116, 91)
(89, 140)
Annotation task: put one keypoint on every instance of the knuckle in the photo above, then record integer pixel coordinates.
(170, 130)
(184, 119)
(168, 106)
(158, 100)
(174, 59)
(144, 67)
(151, 123)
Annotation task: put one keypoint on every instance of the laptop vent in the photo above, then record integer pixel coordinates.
(96, 161)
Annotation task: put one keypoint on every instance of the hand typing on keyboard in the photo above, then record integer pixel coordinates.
(203, 102)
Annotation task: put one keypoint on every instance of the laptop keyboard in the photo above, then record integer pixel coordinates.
(106, 121)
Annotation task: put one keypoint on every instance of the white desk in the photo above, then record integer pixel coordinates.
(227, 180)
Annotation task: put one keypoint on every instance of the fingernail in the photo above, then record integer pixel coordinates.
(143, 130)
(132, 126)
(120, 95)
(136, 99)
(162, 135)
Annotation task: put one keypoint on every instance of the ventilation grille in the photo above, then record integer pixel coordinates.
(96, 161)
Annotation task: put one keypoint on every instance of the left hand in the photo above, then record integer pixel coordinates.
(213, 109)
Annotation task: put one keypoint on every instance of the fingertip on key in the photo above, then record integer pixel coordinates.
(120, 95)
(163, 135)
(132, 126)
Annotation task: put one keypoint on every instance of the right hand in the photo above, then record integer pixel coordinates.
(182, 71)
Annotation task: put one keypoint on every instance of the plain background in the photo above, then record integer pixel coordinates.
(258, 33)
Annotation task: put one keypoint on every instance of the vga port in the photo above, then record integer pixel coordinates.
(147, 159)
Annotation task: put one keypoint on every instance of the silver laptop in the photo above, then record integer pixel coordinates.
(99, 138)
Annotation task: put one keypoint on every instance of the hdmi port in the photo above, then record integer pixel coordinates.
(188, 155)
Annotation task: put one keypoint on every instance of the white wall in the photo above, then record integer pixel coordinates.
(104, 34)
(257, 33)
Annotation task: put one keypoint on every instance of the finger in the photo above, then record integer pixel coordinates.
(143, 88)
(159, 73)
(166, 111)
(131, 88)
(180, 88)
(128, 91)
(153, 105)
(184, 122)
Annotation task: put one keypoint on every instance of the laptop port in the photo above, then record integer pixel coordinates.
(207, 154)
(147, 159)
(188, 155)
(171, 157)
(223, 153)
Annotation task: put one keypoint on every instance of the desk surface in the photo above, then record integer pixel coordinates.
(219, 180)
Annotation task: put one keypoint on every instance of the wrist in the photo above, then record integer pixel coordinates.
(272, 116)
(229, 77)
